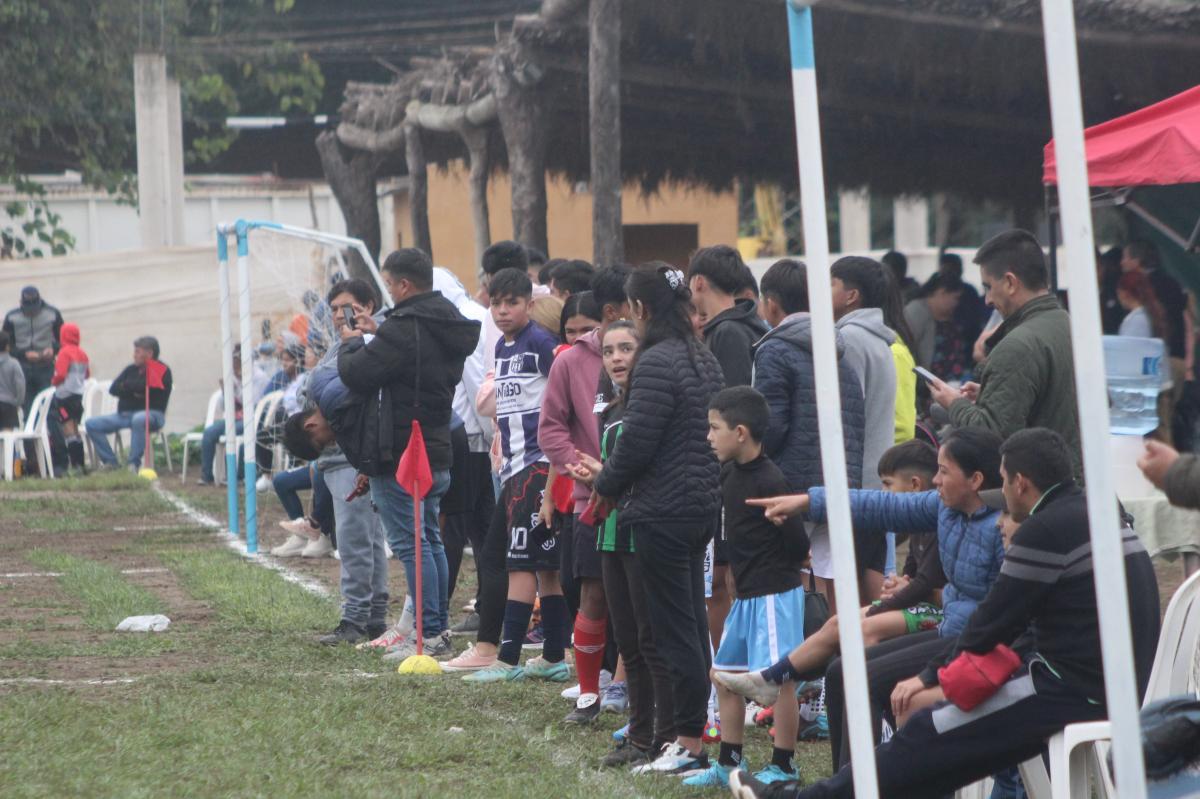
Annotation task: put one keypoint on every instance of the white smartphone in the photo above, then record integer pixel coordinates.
(926, 375)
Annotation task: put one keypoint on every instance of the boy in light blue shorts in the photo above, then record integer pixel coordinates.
(767, 617)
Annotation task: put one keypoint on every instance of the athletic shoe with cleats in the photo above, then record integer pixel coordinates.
(292, 547)
(572, 693)
(615, 698)
(626, 754)
(497, 672)
(393, 636)
(674, 759)
(347, 632)
(538, 668)
(469, 660)
(744, 786)
(715, 776)
(815, 731)
(587, 709)
(749, 684)
(773, 773)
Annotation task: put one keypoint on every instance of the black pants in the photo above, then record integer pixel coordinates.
(887, 664)
(942, 748)
(470, 513)
(493, 578)
(566, 573)
(8, 416)
(651, 700)
(671, 555)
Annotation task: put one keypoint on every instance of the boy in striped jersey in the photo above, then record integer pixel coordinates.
(523, 359)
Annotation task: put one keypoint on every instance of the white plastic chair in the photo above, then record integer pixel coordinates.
(263, 409)
(100, 403)
(34, 429)
(214, 404)
(94, 392)
(1081, 750)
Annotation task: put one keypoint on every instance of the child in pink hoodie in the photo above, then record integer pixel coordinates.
(71, 371)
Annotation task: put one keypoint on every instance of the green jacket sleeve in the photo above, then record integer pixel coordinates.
(1183, 482)
(1007, 394)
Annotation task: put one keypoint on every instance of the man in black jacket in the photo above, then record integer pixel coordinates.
(412, 364)
(33, 338)
(130, 390)
(731, 328)
(1043, 605)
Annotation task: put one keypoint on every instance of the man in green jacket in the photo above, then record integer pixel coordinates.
(1028, 379)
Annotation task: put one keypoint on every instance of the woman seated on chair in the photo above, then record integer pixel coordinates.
(130, 390)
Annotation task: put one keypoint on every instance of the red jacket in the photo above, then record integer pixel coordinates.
(71, 367)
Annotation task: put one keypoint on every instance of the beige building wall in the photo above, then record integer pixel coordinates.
(569, 217)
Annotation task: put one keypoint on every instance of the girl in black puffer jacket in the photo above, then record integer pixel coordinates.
(665, 478)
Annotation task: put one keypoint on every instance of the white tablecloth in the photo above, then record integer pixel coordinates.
(1163, 528)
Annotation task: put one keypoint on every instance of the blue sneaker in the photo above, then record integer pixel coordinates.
(774, 773)
(497, 672)
(817, 730)
(539, 668)
(715, 776)
(621, 734)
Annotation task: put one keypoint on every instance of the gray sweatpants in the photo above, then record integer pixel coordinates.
(360, 540)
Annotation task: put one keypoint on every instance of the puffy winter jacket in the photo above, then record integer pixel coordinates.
(970, 546)
(783, 373)
(731, 335)
(662, 467)
(417, 355)
(71, 369)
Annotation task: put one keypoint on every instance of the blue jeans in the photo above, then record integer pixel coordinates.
(889, 565)
(289, 484)
(396, 509)
(99, 428)
(208, 448)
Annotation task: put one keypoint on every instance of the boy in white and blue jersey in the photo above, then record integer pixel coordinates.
(523, 358)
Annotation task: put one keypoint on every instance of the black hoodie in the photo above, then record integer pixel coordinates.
(417, 355)
(731, 336)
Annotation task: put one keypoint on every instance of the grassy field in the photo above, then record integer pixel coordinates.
(236, 699)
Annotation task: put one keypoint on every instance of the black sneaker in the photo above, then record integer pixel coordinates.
(347, 632)
(467, 626)
(745, 786)
(626, 754)
(376, 630)
(587, 709)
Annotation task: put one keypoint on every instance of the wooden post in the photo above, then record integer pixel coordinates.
(418, 188)
(604, 107)
(351, 176)
(476, 139)
(522, 121)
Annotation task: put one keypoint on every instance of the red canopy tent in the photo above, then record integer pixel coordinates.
(1158, 145)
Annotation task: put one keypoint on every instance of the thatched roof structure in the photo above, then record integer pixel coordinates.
(917, 95)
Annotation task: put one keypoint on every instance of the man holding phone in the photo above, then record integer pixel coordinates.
(1028, 379)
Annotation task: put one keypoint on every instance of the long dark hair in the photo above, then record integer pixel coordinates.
(651, 285)
(893, 310)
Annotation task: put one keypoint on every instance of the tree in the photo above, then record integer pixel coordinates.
(67, 101)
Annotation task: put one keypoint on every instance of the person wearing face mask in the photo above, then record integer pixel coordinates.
(34, 329)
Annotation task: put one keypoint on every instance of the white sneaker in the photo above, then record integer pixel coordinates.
(394, 636)
(572, 693)
(387, 550)
(437, 646)
(301, 527)
(674, 759)
(293, 547)
(263, 484)
(337, 555)
(320, 548)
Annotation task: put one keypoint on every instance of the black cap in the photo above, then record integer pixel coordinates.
(30, 295)
(994, 499)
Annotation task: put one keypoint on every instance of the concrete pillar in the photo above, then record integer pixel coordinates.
(159, 151)
(911, 223)
(854, 220)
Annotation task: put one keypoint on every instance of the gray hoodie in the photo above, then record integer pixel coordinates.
(12, 381)
(868, 350)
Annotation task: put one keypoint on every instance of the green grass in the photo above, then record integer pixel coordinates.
(86, 511)
(244, 703)
(106, 595)
(247, 596)
(117, 480)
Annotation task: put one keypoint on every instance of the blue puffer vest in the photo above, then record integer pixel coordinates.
(970, 547)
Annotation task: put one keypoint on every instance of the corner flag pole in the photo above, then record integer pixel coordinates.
(1108, 558)
(829, 410)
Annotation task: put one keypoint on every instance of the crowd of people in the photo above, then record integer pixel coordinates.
(632, 454)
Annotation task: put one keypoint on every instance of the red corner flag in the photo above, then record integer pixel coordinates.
(155, 370)
(413, 471)
(415, 476)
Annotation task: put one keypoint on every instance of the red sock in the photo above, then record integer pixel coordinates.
(589, 652)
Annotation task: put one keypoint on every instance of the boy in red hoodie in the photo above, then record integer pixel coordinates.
(71, 370)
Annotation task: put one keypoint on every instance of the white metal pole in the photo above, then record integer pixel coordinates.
(227, 397)
(1120, 684)
(249, 434)
(829, 410)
